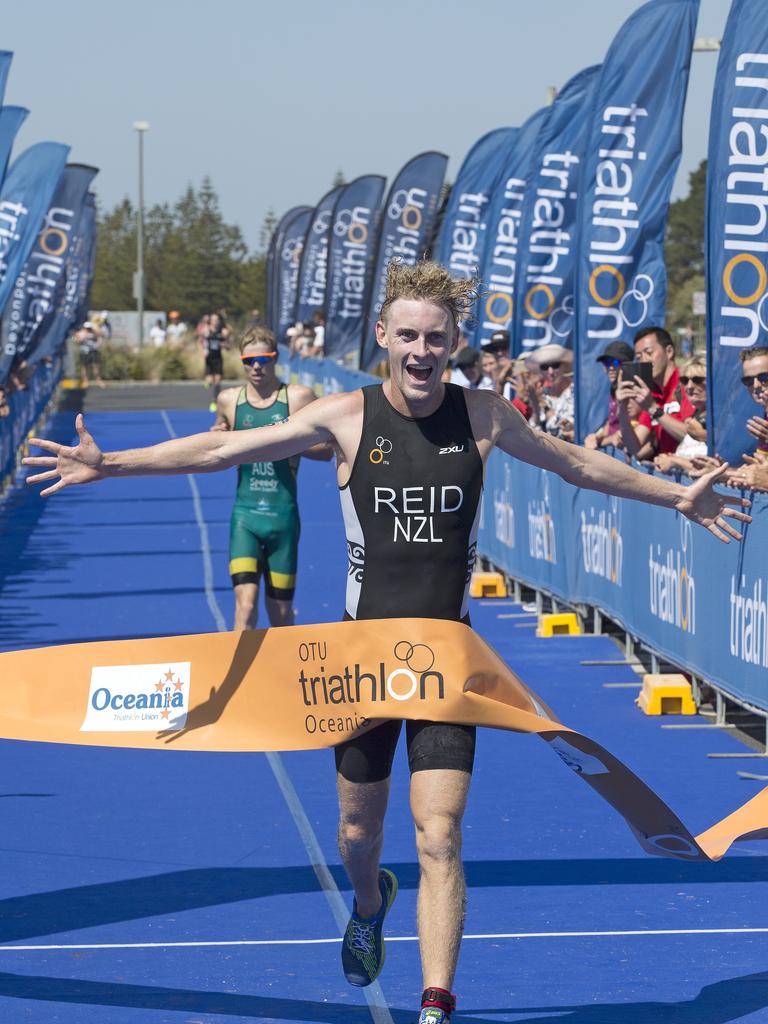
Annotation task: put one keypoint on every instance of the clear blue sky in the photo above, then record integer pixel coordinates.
(270, 99)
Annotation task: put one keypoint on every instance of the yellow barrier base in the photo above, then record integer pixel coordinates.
(487, 584)
(560, 624)
(666, 695)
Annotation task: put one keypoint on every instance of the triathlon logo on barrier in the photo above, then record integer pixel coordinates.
(504, 511)
(602, 545)
(749, 620)
(672, 584)
(542, 545)
(333, 697)
(135, 698)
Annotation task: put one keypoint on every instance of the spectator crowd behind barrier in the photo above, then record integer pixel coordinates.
(20, 409)
(700, 603)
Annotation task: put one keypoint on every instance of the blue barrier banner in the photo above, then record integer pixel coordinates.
(73, 294)
(350, 264)
(460, 241)
(26, 407)
(407, 224)
(498, 268)
(544, 309)
(39, 289)
(6, 56)
(737, 224)
(273, 273)
(25, 197)
(633, 149)
(701, 603)
(288, 260)
(11, 119)
(313, 272)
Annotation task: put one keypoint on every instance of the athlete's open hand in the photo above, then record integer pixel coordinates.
(704, 505)
(80, 465)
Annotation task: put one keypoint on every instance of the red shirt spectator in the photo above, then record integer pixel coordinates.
(672, 401)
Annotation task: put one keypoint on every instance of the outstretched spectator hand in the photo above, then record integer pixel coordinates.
(701, 464)
(758, 427)
(752, 477)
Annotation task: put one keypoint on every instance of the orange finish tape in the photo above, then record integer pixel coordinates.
(307, 687)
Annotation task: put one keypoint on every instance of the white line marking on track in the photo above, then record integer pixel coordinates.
(489, 936)
(374, 996)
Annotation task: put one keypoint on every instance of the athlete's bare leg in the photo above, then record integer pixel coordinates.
(438, 799)
(362, 806)
(280, 612)
(246, 605)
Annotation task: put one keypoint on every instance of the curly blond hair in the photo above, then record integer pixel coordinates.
(257, 335)
(429, 282)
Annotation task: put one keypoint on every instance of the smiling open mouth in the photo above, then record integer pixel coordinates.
(419, 373)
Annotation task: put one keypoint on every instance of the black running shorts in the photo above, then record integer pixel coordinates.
(368, 758)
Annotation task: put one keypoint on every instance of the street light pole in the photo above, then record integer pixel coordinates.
(138, 284)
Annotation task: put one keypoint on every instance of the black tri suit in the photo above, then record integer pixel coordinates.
(411, 511)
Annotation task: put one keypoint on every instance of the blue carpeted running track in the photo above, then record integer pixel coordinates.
(145, 887)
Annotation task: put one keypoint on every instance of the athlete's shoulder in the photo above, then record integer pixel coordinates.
(300, 395)
(490, 413)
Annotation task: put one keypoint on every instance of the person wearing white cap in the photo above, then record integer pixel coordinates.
(555, 363)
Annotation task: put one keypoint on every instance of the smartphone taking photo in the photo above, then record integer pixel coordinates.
(642, 370)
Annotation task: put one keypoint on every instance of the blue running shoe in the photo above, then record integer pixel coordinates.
(362, 949)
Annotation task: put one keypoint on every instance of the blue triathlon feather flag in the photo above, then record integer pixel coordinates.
(633, 149)
(25, 197)
(407, 224)
(85, 262)
(498, 269)
(543, 309)
(287, 261)
(461, 239)
(737, 224)
(313, 272)
(350, 263)
(74, 301)
(273, 278)
(39, 290)
(11, 119)
(6, 56)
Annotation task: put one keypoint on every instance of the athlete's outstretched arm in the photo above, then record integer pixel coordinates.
(600, 472)
(198, 453)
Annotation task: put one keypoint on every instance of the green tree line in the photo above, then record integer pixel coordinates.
(194, 261)
(684, 251)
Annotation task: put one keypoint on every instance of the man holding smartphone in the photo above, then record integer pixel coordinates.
(664, 406)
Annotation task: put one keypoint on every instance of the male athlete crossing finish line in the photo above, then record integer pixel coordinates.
(410, 456)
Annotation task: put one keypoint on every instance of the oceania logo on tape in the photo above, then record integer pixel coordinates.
(412, 676)
(133, 698)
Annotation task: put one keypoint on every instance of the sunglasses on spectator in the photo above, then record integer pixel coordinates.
(750, 378)
(693, 380)
(614, 363)
(262, 359)
(549, 366)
